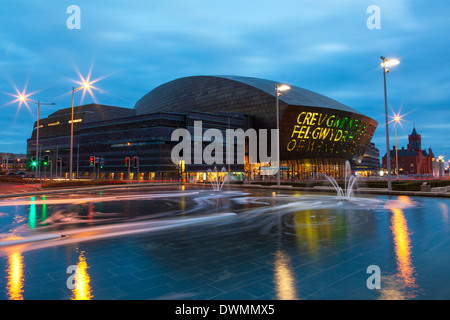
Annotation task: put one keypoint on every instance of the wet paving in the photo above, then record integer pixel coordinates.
(194, 243)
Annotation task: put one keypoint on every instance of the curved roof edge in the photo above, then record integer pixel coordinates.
(295, 96)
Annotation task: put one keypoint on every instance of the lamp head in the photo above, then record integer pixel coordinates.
(283, 87)
(390, 63)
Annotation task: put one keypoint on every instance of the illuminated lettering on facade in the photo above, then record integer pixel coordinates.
(328, 133)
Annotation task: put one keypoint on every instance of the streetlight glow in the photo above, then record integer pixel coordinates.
(279, 88)
(86, 85)
(283, 87)
(390, 63)
(387, 63)
(22, 97)
(397, 118)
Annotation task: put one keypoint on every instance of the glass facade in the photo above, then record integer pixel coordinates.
(317, 134)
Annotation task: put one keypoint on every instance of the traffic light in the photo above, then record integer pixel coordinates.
(127, 162)
(135, 162)
(34, 162)
(92, 161)
(45, 160)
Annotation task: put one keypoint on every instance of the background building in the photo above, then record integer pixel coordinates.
(413, 160)
(317, 134)
(370, 164)
(439, 167)
(13, 162)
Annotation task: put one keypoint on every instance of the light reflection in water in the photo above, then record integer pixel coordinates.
(402, 247)
(90, 211)
(307, 231)
(15, 276)
(312, 227)
(445, 214)
(82, 289)
(284, 278)
(182, 205)
(100, 205)
(32, 215)
(44, 210)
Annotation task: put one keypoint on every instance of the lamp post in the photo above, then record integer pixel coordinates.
(279, 88)
(396, 120)
(39, 104)
(387, 63)
(78, 160)
(85, 85)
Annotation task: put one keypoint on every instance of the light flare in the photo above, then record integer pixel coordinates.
(87, 84)
(21, 97)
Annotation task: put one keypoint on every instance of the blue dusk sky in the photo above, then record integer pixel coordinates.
(324, 46)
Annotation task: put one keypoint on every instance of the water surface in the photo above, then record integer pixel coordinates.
(194, 243)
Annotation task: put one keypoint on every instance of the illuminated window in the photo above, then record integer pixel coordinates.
(130, 144)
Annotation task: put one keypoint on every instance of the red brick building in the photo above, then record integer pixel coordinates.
(412, 160)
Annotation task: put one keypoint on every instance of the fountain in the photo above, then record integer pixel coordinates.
(217, 179)
(349, 181)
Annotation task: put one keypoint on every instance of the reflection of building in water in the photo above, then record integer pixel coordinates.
(285, 286)
(82, 289)
(313, 227)
(15, 276)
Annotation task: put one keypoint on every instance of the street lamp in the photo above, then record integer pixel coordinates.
(86, 85)
(279, 88)
(39, 104)
(396, 120)
(387, 63)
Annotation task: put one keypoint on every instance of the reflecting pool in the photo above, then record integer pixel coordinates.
(190, 243)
